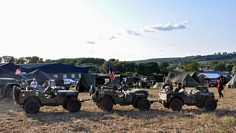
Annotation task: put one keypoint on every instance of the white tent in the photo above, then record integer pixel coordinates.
(231, 83)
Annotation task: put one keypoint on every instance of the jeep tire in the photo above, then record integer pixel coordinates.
(32, 107)
(74, 105)
(210, 104)
(143, 104)
(106, 104)
(176, 104)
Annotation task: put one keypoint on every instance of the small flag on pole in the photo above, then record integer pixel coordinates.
(111, 74)
(18, 71)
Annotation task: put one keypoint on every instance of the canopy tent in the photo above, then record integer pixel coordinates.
(209, 75)
(41, 77)
(7, 74)
(183, 78)
(231, 83)
(86, 81)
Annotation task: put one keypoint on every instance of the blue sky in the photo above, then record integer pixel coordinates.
(122, 29)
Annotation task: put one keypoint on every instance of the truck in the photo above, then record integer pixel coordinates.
(6, 87)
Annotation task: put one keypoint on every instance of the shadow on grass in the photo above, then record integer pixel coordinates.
(52, 117)
(184, 113)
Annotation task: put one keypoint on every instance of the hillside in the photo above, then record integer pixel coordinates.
(199, 58)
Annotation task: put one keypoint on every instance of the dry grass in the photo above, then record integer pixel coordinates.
(122, 118)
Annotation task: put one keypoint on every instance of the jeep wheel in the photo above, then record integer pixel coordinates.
(32, 107)
(73, 105)
(143, 104)
(210, 104)
(106, 104)
(176, 104)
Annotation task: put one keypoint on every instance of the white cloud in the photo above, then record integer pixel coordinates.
(90, 42)
(151, 28)
(134, 32)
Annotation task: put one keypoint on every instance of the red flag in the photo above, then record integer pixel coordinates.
(18, 71)
(111, 74)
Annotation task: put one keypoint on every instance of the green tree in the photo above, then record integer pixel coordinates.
(20, 60)
(229, 67)
(8, 59)
(41, 60)
(163, 67)
(233, 70)
(220, 67)
(104, 68)
(153, 67)
(33, 59)
(143, 69)
(213, 63)
(94, 68)
(192, 66)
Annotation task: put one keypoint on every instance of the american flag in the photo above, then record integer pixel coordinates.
(111, 74)
(18, 71)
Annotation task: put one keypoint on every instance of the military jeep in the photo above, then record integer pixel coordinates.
(105, 98)
(199, 97)
(32, 99)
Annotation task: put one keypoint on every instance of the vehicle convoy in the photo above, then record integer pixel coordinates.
(32, 99)
(6, 87)
(199, 97)
(105, 98)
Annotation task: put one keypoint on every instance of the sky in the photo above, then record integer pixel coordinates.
(126, 30)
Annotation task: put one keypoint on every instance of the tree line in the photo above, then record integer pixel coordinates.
(134, 68)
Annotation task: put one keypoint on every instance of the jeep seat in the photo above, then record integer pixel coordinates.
(48, 91)
(29, 88)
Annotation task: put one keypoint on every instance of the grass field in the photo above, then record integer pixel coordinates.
(122, 118)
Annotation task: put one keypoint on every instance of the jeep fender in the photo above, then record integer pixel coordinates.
(137, 98)
(7, 88)
(32, 98)
(67, 99)
(175, 98)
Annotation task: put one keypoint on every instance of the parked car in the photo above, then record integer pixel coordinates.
(68, 81)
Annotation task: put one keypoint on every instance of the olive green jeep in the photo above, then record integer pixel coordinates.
(105, 98)
(31, 99)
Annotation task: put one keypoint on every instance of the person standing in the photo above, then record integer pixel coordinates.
(34, 83)
(220, 88)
